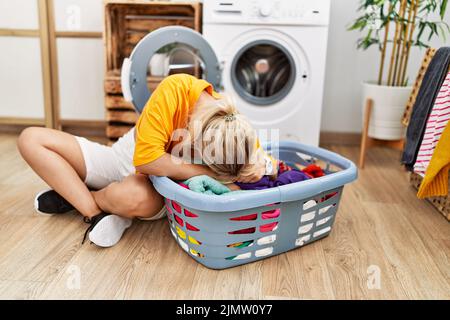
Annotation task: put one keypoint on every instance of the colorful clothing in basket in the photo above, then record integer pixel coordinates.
(286, 175)
(284, 178)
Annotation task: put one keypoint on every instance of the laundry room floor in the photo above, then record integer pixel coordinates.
(386, 244)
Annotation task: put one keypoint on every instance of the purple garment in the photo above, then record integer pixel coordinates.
(286, 177)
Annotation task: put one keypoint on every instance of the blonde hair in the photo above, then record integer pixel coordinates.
(217, 126)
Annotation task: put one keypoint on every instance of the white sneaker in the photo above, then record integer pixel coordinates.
(106, 230)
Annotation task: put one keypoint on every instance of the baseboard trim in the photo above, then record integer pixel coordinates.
(84, 128)
(340, 138)
(7, 128)
(21, 121)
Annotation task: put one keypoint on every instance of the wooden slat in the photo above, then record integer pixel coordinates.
(19, 33)
(113, 102)
(139, 29)
(161, 2)
(112, 84)
(22, 121)
(415, 91)
(53, 54)
(198, 16)
(47, 66)
(78, 34)
(150, 25)
(174, 9)
(123, 116)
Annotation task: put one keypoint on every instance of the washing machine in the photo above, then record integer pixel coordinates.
(270, 55)
(273, 55)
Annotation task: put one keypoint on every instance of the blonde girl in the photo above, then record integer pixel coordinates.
(109, 186)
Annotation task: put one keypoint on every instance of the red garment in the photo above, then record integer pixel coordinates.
(328, 196)
(191, 227)
(181, 223)
(243, 231)
(314, 171)
(283, 167)
(272, 214)
(264, 228)
(252, 216)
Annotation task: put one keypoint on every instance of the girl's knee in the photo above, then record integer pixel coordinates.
(29, 137)
(134, 197)
(141, 194)
(146, 201)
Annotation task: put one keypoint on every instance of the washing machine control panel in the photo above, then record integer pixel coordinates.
(298, 12)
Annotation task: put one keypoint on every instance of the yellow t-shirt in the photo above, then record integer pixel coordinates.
(167, 109)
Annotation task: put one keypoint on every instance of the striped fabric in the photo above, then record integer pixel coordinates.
(435, 182)
(437, 121)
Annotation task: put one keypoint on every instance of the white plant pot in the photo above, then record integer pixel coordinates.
(159, 65)
(387, 111)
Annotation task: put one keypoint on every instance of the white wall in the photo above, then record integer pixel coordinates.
(80, 60)
(347, 67)
(21, 84)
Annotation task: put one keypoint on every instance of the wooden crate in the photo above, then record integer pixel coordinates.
(126, 23)
(442, 204)
(415, 91)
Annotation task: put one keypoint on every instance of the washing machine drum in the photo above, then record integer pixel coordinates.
(263, 72)
(163, 52)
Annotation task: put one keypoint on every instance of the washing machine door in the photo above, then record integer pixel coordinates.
(166, 51)
(263, 72)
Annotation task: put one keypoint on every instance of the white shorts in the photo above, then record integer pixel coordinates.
(105, 165)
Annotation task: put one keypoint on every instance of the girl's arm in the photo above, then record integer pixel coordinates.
(175, 168)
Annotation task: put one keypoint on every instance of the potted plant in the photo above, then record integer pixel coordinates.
(395, 26)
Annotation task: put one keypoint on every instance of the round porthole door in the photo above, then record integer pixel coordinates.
(163, 52)
(263, 72)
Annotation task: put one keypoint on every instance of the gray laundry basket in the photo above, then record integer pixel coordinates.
(211, 230)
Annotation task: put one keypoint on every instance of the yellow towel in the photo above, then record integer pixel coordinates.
(435, 182)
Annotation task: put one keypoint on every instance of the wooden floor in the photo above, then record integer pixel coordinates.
(381, 226)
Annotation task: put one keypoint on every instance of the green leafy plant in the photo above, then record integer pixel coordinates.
(413, 22)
